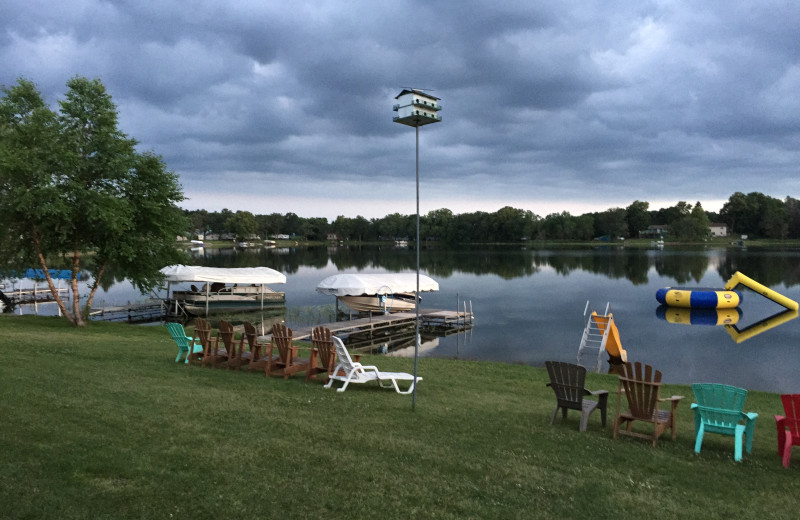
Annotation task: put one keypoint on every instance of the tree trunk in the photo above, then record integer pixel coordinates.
(93, 291)
(77, 316)
(50, 284)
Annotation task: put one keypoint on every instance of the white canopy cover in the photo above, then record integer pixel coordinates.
(196, 273)
(369, 284)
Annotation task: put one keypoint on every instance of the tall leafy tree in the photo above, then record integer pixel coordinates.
(638, 217)
(242, 224)
(612, 222)
(73, 189)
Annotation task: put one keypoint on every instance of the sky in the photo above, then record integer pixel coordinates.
(579, 106)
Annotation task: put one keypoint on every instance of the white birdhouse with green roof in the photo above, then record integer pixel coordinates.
(416, 108)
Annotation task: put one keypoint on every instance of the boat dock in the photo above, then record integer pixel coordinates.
(376, 323)
(35, 294)
(131, 313)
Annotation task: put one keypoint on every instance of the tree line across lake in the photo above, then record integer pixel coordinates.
(754, 214)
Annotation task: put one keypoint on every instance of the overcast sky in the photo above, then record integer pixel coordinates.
(572, 106)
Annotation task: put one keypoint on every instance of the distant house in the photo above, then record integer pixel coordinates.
(332, 237)
(654, 231)
(719, 230)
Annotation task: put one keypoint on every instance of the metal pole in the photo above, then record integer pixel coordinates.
(416, 295)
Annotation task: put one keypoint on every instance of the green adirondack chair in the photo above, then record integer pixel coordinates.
(719, 410)
(186, 344)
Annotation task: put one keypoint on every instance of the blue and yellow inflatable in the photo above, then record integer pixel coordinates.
(698, 298)
(684, 316)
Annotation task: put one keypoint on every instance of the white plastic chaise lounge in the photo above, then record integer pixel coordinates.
(349, 371)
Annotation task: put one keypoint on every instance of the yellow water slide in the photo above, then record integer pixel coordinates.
(739, 278)
(613, 342)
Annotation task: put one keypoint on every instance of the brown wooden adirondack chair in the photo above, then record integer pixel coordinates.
(323, 354)
(641, 389)
(288, 363)
(202, 331)
(567, 380)
(240, 353)
(212, 352)
(261, 356)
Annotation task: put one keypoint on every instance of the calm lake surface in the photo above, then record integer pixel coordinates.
(529, 303)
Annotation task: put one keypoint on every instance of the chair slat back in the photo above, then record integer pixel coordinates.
(791, 409)
(226, 336)
(321, 340)
(250, 335)
(567, 381)
(641, 385)
(345, 361)
(719, 405)
(203, 330)
(282, 338)
(178, 334)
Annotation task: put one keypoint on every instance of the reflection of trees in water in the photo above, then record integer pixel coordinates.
(767, 267)
(613, 263)
(684, 266)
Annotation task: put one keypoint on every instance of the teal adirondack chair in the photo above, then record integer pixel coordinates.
(719, 410)
(186, 344)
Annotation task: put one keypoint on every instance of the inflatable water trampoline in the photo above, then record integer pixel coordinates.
(698, 298)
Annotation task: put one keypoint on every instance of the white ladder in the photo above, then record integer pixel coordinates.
(595, 338)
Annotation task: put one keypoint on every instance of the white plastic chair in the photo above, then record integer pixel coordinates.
(349, 371)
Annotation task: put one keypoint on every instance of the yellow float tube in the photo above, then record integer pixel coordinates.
(698, 298)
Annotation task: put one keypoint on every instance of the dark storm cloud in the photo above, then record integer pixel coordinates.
(657, 101)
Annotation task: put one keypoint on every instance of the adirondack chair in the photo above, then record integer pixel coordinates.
(719, 410)
(239, 353)
(351, 371)
(567, 381)
(187, 345)
(261, 357)
(288, 363)
(791, 422)
(212, 352)
(641, 390)
(323, 353)
(202, 330)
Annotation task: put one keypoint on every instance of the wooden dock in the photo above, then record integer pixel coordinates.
(35, 294)
(377, 323)
(131, 313)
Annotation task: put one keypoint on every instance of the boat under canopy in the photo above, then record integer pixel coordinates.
(380, 292)
(198, 273)
(224, 289)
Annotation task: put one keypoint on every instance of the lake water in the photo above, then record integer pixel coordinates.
(529, 303)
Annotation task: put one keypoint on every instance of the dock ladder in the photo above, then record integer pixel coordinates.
(595, 334)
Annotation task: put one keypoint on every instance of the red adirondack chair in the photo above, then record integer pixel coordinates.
(788, 427)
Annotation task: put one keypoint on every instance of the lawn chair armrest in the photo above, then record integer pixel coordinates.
(751, 416)
(674, 398)
(780, 420)
(596, 392)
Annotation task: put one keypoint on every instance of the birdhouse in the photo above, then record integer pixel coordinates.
(416, 108)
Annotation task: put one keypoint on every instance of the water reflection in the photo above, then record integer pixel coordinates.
(637, 265)
(760, 326)
(681, 316)
(529, 303)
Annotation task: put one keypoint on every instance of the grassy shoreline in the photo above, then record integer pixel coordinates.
(99, 422)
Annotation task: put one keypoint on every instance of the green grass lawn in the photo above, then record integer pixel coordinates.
(100, 422)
